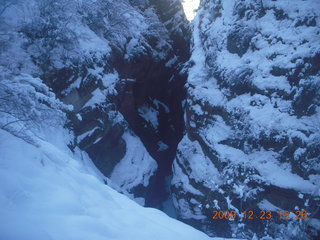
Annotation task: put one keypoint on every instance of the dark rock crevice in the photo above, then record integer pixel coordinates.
(153, 85)
(156, 85)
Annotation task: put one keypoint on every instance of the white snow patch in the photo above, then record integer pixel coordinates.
(268, 206)
(136, 167)
(98, 96)
(162, 146)
(200, 167)
(159, 103)
(150, 115)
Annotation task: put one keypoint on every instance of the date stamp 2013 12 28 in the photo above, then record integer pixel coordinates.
(263, 215)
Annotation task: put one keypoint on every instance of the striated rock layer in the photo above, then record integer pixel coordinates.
(252, 139)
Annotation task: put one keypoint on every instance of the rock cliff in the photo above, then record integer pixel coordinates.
(252, 118)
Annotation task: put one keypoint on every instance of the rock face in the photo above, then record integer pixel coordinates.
(118, 63)
(252, 139)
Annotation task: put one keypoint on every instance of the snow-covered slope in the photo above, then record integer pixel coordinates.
(252, 117)
(50, 193)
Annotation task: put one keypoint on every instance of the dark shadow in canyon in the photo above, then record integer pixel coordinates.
(161, 88)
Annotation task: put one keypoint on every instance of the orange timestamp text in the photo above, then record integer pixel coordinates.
(259, 214)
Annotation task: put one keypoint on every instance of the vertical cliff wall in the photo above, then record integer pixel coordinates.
(252, 119)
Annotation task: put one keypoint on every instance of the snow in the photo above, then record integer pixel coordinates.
(98, 96)
(181, 180)
(162, 146)
(158, 103)
(263, 117)
(133, 48)
(275, 174)
(75, 84)
(315, 223)
(186, 211)
(109, 82)
(171, 62)
(271, 171)
(79, 117)
(46, 193)
(197, 73)
(136, 167)
(190, 7)
(254, 125)
(90, 42)
(268, 29)
(96, 71)
(87, 134)
(199, 168)
(208, 92)
(216, 131)
(150, 115)
(268, 206)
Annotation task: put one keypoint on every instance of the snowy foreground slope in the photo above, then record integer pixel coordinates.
(48, 193)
